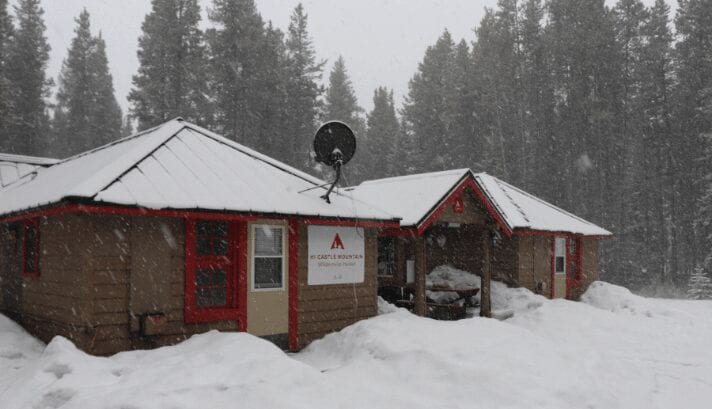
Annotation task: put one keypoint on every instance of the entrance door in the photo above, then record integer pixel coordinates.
(267, 289)
(559, 267)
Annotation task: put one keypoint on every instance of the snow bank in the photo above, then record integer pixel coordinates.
(613, 350)
(450, 277)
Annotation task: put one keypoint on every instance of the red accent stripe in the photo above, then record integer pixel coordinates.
(197, 214)
(553, 267)
(351, 222)
(293, 286)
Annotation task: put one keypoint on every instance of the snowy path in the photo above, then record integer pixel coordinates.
(614, 350)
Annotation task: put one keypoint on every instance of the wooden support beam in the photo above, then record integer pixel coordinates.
(420, 272)
(485, 302)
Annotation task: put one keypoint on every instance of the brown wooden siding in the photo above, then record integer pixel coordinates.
(534, 254)
(327, 308)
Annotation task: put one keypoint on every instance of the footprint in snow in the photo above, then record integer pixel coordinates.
(59, 370)
(55, 399)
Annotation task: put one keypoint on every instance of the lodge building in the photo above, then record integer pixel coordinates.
(176, 231)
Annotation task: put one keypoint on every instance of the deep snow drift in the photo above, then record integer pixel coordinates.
(612, 350)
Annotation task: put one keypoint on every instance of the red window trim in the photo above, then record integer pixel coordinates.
(236, 310)
(26, 225)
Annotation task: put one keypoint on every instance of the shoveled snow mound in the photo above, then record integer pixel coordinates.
(450, 277)
(17, 348)
(613, 350)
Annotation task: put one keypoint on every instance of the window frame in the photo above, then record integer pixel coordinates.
(393, 260)
(564, 248)
(26, 226)
(234, 265)
(253, 256)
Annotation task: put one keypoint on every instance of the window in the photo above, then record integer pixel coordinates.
(31, 248)
(560, 255)
(268, 257)
(386, 256)
(213, 262)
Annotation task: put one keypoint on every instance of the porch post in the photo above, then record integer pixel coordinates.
(485, 302)
(420, 267)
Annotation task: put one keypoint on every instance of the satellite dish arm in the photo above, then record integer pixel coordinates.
(336, 155)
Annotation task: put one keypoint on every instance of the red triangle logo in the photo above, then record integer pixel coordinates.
(337, 243)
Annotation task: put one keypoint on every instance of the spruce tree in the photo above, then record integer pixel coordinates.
(655, 107)
(242, 80)
(382, 136)
(699, 285)
(171, 79)
(27, 57)
(693, 120)
(127, 126)
(6, 97)
(424, 110)
(341, 104)
(303, 89)
(87, 114)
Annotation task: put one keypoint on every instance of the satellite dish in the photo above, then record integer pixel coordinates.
(334, 145)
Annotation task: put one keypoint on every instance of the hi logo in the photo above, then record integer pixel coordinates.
(337, 243)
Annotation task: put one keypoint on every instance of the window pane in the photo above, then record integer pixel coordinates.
(219, 277)
(218, 229)
(202, 277)
(572, 270)
(210, 297)
(220, 247)
(559, 264)
(268, 241)
(560, 246)
(202, 228)
(203, 247)
(386, 256)
(268, 272)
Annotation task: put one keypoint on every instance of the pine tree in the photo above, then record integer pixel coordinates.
(241, 78)
(693, 120)
(303, 89)
(27, 57)
(699, 285)
(424, 110)
(460, 104)
(381, 145)
(87, 114)
(6, 32)
(341, 104)
(656, 190)
(171, 79)
(630, 17)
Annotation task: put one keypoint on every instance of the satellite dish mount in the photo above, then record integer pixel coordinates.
(334, 145)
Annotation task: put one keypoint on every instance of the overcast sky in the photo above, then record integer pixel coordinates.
(381, 40)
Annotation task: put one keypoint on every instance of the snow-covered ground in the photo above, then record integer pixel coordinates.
(613, 350)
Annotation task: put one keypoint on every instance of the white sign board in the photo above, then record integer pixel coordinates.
(336, 255)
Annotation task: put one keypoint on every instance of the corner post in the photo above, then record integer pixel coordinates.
(485, 301)
(420, 267)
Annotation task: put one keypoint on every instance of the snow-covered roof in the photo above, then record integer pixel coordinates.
(178, 165)
(14, 167)
(415, 197)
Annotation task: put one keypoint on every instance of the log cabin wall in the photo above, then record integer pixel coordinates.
(10, 270)
(505, 259)
(327, 308)
(57, 302)
(456, 246)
